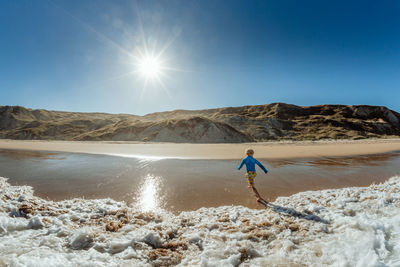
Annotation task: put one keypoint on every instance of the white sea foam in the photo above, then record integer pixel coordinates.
(357, 226)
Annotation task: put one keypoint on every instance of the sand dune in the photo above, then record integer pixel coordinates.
(276, 121)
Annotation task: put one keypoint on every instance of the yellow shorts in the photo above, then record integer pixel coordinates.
(250, 177)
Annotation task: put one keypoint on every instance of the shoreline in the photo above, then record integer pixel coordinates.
(264, 150)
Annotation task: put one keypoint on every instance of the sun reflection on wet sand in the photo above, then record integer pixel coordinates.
(141, 157)
(148, 195)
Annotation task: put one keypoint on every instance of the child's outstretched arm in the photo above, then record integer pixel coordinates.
(241, 165)
(261, 166)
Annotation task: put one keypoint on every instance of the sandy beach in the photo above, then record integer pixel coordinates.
(270, 150)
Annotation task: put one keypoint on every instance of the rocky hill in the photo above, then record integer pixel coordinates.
(277, 121)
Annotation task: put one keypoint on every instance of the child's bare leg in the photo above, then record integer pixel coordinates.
(256, 193)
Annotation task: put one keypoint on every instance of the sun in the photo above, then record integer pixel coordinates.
(150, 67)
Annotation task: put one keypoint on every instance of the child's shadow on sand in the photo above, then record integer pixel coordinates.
(293, 212)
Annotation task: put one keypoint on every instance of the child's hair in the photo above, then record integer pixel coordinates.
(250, 151)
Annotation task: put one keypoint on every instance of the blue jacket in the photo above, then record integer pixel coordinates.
(251, 164)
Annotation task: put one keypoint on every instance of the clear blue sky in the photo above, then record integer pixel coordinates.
(77, 55)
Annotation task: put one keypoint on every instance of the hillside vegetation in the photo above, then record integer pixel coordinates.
(277, 121)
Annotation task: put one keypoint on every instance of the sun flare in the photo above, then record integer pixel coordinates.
(150, 67)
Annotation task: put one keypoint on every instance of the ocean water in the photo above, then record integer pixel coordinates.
(177, 185)
(357, 226)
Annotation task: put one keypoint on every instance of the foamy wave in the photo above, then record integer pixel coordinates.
(357, 226)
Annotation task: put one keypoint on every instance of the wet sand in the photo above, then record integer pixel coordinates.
(266, 150)
(186, 184)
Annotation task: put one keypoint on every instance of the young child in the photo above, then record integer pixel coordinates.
(250, 163)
